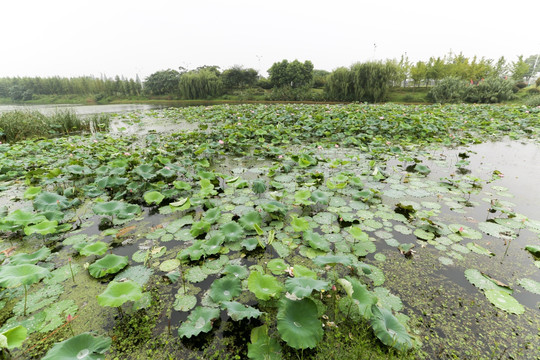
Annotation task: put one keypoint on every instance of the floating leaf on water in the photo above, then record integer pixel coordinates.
(423, 234)
(117, 293)
(446, 261)
(184, 302)
(225, 289)
(388, 300)
(298, 323)
(363, 248)
(237, 271)
(530, 285)
(199, 320)
(89, 346)
(97, 248)
(169, 265)
(496, 230)
(110, 264)
(482, 282)
(32, 258)
(264, 286)
(277, 266)
(402, 229)
(232, 231)
(302, 287)
(250, 219)
(139, 273)
(332, 260)
(503, 301)
(533, 249)
(479, 249)
(238, 311)
(153, 197)
(195, 274)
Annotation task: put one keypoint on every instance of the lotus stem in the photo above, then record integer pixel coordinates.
(71, 269)
(25, 296)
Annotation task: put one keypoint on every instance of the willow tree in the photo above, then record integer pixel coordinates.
(371, 80)
(339, 85)
(200, 84)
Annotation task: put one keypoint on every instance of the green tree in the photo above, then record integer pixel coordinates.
(519, 69)
(163, 82)
(534, 65)
(294, 74)
(339, 85)
(200, 84)
(371, 80)
(237, 77)
(419, 72)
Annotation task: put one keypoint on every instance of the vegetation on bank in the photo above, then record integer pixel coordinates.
(453, 78)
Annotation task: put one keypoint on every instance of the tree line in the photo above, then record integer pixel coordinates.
(289, 80)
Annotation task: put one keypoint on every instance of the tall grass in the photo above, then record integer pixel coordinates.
(24, 124)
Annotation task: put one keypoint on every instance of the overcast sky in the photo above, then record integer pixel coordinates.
(129, 37)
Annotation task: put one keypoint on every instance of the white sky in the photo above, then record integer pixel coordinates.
(129, 37)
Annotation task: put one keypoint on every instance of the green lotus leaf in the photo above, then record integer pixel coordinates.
(110, 264)
(302, 287)
(482, 282)
(320, 197)
(23, 218)
(388, 300)
(43, 228)
(232, 231)
(167, 173)
(362, 297)
(332, 260)
(533, 249)
(264, 286)
(181, 185)
(250, 219)
(356, 182)
(32, 192)
(194, 252)
(358, 234)
(363, 248)
(258, 187)
(298, 323)
(302, 271)
(299, 224)
(479, 249)
(389, 330)
(274, 207)
(496, 230)
(422, 169)
(97, 248)
(237, 271)
(53, 215)
(14, 337)
(153, 197)
(316, 241)
(206, 175)
(32, 258)
(465, 231)
(24, 274)
(263, 347)
(169, 265)
(530, 285)
(129, 211)
(83, 346)
(78, 170)
(200, 320)
(117, 293)
(305, 160)
(302, 197)
(504, 301)
(47, 201)
(212, 215)
(108, 208)
(238, 311)
(277, 266)
(225, 289)
(199, 228)
(146, 171)
(184, 302)
(213, 245)
(423, 234)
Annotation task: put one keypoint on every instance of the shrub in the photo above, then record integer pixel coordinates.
(264, 83)
(533, 91)
(491, 90)
(448, 90)
(521, 85)
(533, 101)
(538, 82)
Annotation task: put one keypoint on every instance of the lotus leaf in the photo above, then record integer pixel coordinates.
(277, 266)
(181, 185)
(200, 320)
(43, 228)
(299, 224)
(363, 248)
(166, 173)
(504, 301)
(13, 337)
(533, 249)
(184, 302)
(423, 234)
(212, 215)
(274, 207)
(530, 285)
(250, 219)
(263, 347)
(23, 218)
(199, 228)
(264, 286)
(316, 241)
(358, 234)
(47, 201)
(232, 231)
(298, 323)
(238, 311)
(302, 197)
(319, 197)
(153, 197)
(110, 181)
(84, 346)
(31, 192)
(302, 287)
(117, 293)
(225, 289)
(97, 248)
(24, 274)
(194, 252)
(32, 258)
(362, 297)
(169, 265)
(110, 264)
(332, 260)
(389, 330)
(139, 273)
(482, 282)
(479, 249)
(496, 230)
(258, 187)
(302, 271)
(237, 271)
(108, 208)
(146, 171)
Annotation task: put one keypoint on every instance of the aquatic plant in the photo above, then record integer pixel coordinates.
(83, 346)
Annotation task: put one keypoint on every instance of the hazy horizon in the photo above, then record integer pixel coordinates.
(129, 38)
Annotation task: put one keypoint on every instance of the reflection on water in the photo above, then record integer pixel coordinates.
(80, 109)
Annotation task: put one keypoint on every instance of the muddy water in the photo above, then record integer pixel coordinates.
(80, 109)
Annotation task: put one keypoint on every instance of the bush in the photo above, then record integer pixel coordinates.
(264, 83)
(538, 82)
(448, 90)
(533, 101)
(287, 93)
(521, 85)
(491, 90)
(533, 91)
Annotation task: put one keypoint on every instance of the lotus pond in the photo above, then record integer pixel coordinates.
(276, 231)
